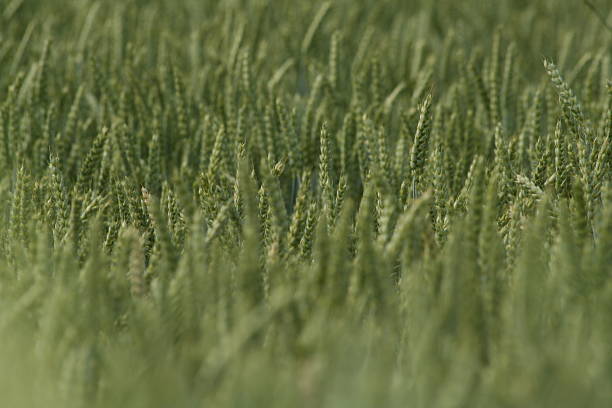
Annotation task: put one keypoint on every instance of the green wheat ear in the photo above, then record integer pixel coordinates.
(571, 108)
(420, 146)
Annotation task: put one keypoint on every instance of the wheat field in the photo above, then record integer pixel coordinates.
(275, 203)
